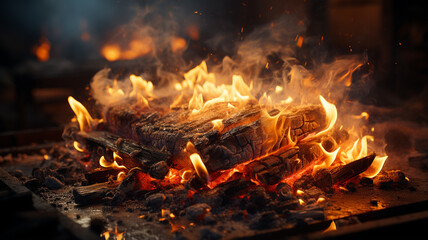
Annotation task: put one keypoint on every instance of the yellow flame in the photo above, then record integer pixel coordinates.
(332, 227)
(118, 235)
(78, 146)
(199, 166)
(375, 168)
(278, 89)
(217, 124)
(331, 115)
(104, 163)
(85, 120)
(299, 192)
(141, 89)
(328, 158)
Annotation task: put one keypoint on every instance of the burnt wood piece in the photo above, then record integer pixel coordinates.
(245, 142)
(172, 130)
(146, 155)
(100, 175)
(325, 179)
(129, 185)
(273, 168)
(94, 193)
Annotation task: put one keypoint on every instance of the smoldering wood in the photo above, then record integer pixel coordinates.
(240, 140)
(326, 178)
(94, 193)
(100, 175)
(245, 142)
(146, 155)
(345, 172)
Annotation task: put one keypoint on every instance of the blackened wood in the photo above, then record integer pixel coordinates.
(345, 172)
(326, 178)
(100, 175)
(271, 169)
(245, 142)
(241, 139)
(146, 155)
(94, 193)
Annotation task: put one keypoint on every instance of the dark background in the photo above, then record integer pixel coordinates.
(33, 94)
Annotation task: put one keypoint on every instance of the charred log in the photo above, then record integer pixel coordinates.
(91, 194)
(245, 142)
(325, 179)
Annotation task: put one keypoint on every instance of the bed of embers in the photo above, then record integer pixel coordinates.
(215, 162)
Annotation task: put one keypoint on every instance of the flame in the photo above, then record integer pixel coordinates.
(140, 89)
(299, 192)
(328, 158)
(104, 163)
(332, 227)
(199, 166)
(205, 91)
(86, 122)
(43, 49)
(331, 115)
(217, 124)
(78, 146)
(118, 235)
(359, 150)
(185, 176)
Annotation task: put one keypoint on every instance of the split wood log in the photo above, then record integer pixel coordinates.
(245, 142)
(94, 193)
(241, 139)
(273, 168)
(326, 178)
(148, 158)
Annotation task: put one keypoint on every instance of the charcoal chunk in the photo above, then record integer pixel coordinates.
(159, 170)
(156, 200)
(53, 183)
(197, 211)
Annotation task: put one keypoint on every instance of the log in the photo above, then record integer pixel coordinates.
(149, 159)
(241, 139)
(273, 168)
(326, 178)
(94, 193)
(245, 142)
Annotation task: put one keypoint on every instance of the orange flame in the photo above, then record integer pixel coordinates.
(104, 163)
(86, 122)
(78, 146)
(328, 158)
(217, 124)
(331, 113)
(118, 235)
(199, 166)
(332, 227)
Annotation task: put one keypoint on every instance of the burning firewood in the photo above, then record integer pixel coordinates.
(325, 178)
(148, 158)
